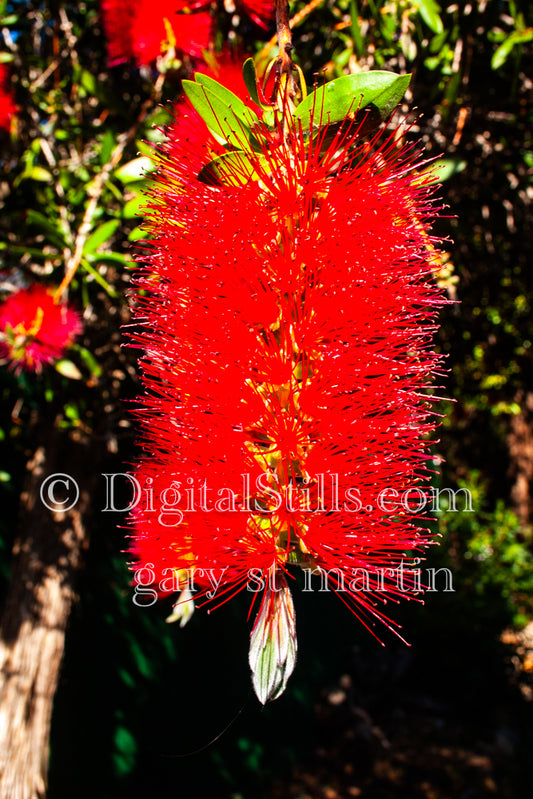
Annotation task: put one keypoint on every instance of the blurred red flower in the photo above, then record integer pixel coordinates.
(260, 11)
(34, 330)
(145, 29)
(7, 104)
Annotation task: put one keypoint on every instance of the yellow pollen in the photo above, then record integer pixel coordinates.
(170, 42)
(33, 329)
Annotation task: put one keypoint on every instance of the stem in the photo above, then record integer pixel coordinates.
(285, 89)
(296, 20)
(284, 36)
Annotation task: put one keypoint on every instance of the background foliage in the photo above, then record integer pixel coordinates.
(448, 716)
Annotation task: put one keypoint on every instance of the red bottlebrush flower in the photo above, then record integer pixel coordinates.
(7, 105)
(260, 11)
(34, 330)
(117, 17)
(146, 29)
(287, 322)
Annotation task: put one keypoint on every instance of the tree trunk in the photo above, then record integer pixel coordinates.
(46, 557)
(520, 441)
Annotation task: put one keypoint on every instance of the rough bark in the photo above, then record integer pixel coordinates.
(520, 442)
(47, 554)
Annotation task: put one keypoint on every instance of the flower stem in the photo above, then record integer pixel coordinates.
(296, 20)
(285, 89)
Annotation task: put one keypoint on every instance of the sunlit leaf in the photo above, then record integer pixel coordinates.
(228, 118)
(68, 369)
(351, 94)
(429, 11)
(102, 234)
(233, 169)
(133, 207)
(250, 79)
(504, 50)
(40, 174)
(443, 169)
(135, 169)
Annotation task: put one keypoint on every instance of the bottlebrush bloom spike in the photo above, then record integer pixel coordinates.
(34, 330)
(286, 310)
(145, 29)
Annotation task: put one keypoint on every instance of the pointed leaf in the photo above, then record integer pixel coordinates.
(429, 11)
(227, 118)
(232, 169)
(135, 169)
(250, 79)
(50, 228)
(40, 174)
(502, 53)
(89, 360)
(351, 95)
(100, 235)
(443, 169)
(239, 108)
(68, 369)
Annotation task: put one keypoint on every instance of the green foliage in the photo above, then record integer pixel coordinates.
(367, 98)
(491, 557)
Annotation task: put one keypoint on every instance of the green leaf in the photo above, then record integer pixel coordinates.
(88, 81)
(110, 258)
(144, 148)
(502, 53)
(429, 11)
(68, 369)
(137, 234)
(133, 207)
(223, 112)
(232, 169)
(53, 232)
(89, 360)
(351, 96)
(238, 107)
(443, 169)
(40, 174)
(135, 169)
(108, 145)
(250, 80)
(100, 235)
(98, 277)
